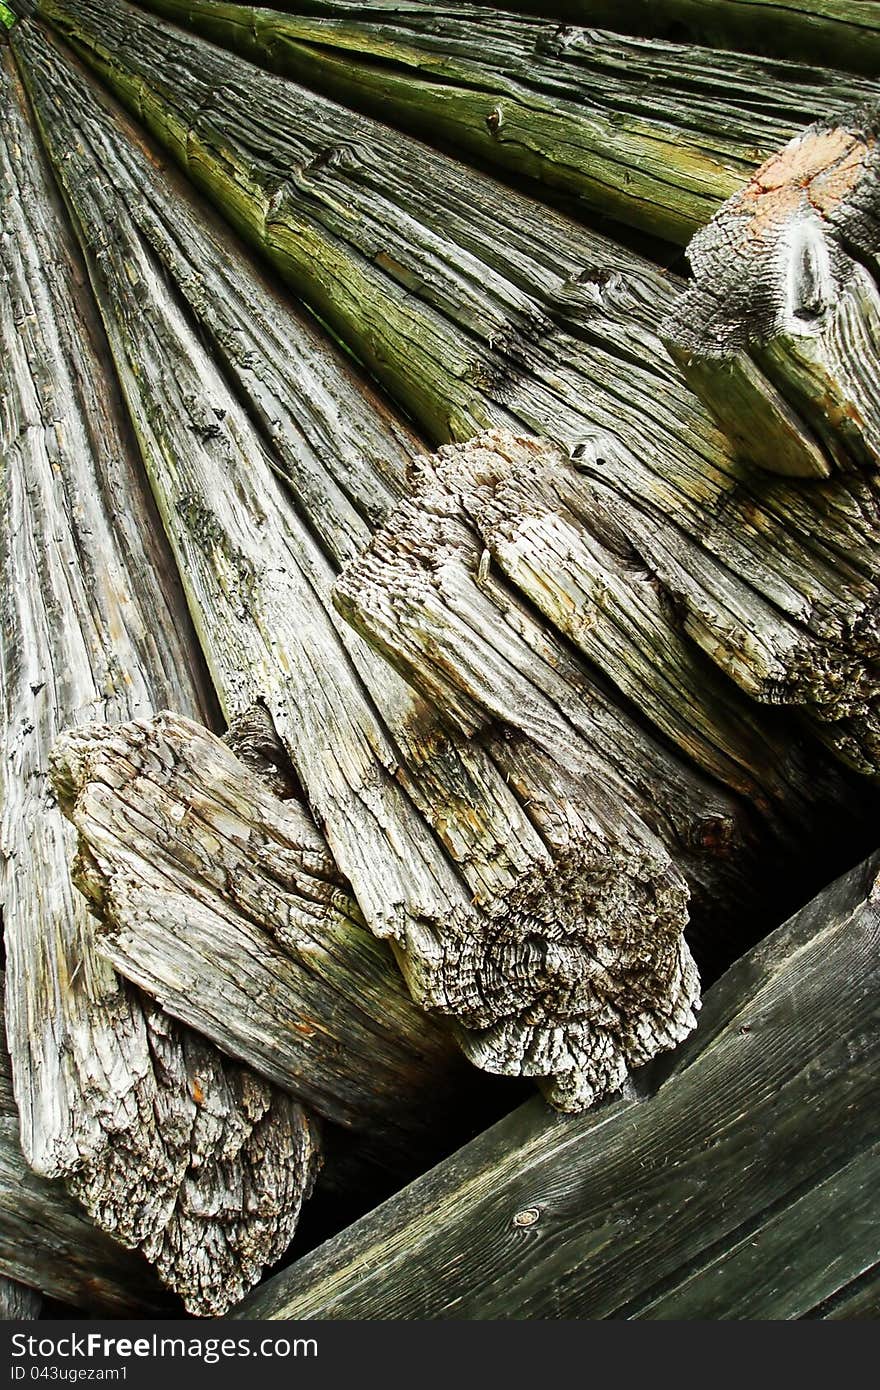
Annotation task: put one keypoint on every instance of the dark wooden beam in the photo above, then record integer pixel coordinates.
(738, 1183)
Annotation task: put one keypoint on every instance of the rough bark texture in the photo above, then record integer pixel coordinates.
(107, 1086)
(222, 901)
(842, 33)
(737, 1186)
(477, 308)
(786, 304)
(17, 1302)
(489, 866)
(47, 1242)
(649, 133)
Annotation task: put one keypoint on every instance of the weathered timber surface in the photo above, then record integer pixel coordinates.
(842, 33)
(737, 1187)
(222, 901)
(18, 1302)
(477, 307)
(780, 334)
(199, 1163)
(520, 508)
(48, 1243)
(460, 853)
(650, 133)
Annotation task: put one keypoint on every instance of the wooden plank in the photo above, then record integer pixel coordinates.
(648, 1206)
(197, 1162)
(649, 133)
(478, 308)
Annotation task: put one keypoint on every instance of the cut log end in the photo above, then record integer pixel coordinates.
(212, 1193)
(780, 333)
(205, 1166)
(578, 971)
(579, 987)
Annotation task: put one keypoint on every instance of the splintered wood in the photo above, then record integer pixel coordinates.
(169, 1146)
(780, 333)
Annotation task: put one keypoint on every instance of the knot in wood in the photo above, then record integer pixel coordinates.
(529, 1216)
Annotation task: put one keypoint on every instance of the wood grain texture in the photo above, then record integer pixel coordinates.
(460, 852)
(222, 902)
(18, 1302)
(49, 1244)
(697, 1200)
(785, 301)
(106, 1085)
(843, 33)
(479, 308)
(649, 133)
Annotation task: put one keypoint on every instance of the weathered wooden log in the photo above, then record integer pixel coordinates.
(17, 1301)
(733, 1186)
(478, 308)
(48, 1243)
(780, 333)
(650, 133)
(199, 1163)
(457, 851)
(843, 33)
(523, 506)
(222, 901)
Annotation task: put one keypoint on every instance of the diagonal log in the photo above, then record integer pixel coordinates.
(652, 134)
(780, 333)
(18, 1302)
(478, 308)
(222, 901)
(737, 1184)
(107, 1087)
(458, 850)
(49, 1244)
(842, 33)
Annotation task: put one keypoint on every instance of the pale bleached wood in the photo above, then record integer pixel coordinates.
(49, 1244)
(478, 308)
(459, 851)
(652, 134)
(222, 901)
(736, 1184)
(199, 1163)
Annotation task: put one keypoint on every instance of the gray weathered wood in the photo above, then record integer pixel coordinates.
(222, 902)
(18, 1302)
(457, 850)
(526, 509)
(782, 325)
(650, 133)
(736, 1186)
(479, 308)
(199, 1163)
(841, 32)
(48, 1243)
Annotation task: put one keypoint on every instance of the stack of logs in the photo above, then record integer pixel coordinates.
(332, 763)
